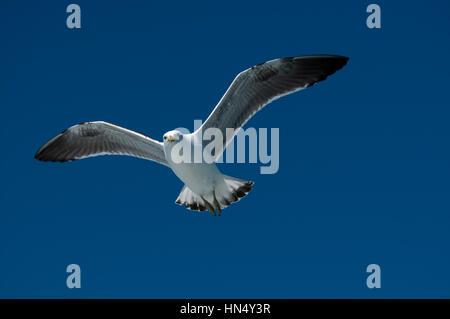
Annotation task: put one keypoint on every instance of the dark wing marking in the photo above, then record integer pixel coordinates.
(100, 138)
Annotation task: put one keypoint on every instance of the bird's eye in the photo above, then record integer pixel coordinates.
(165, 137)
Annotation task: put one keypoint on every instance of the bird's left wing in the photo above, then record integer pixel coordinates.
(254, 88)
(100, 138)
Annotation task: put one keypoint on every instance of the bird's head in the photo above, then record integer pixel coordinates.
(172, 137)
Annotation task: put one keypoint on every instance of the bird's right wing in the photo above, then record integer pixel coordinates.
(100, 138)
(254, 88)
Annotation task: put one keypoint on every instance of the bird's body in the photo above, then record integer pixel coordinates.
(201, 178)
(206, 188)
(203, 181)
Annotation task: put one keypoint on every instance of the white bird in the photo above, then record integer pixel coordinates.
(206, 188)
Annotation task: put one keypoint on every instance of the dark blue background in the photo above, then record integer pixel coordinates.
(364, 157)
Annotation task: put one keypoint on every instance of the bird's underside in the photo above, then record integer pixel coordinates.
(221, 197)
(250, 91)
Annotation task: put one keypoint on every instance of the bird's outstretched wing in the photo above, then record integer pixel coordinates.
(100, 138)
(254, 88)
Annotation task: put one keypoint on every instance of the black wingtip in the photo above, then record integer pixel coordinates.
(326, 56)
(325, 65)
(38, 155)
(339, 60)
(341, 57)
(44, 155)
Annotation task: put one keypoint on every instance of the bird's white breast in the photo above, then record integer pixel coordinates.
(201, 178)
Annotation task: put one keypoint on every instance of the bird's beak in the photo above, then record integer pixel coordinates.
(171, 138)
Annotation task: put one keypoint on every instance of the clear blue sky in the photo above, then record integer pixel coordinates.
(369, 183)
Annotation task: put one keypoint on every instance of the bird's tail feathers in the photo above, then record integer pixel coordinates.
(191, 200)
(232, 191)
(236, 189)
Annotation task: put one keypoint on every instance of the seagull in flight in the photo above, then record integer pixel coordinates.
(206, 188)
